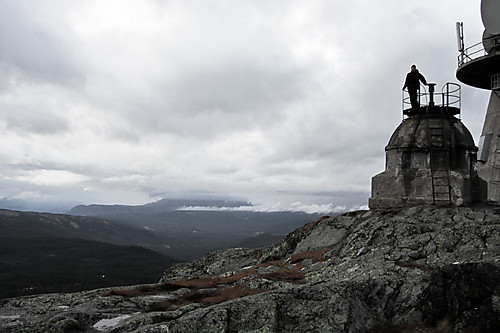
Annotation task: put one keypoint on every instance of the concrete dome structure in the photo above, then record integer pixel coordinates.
(414, 133)
(430, 159)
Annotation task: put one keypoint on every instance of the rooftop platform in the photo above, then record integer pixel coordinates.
(477, 72)
(432, 103)
(432, 110)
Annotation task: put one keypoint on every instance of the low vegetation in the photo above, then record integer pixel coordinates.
(210, 290)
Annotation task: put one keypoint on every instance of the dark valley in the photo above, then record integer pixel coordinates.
(123, 245)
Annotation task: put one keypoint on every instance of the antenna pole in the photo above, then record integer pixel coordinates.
(460, 40)
(460, 36)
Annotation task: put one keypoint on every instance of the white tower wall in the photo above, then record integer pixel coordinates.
(488, 165)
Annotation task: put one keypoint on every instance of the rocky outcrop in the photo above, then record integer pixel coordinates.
(367, 271)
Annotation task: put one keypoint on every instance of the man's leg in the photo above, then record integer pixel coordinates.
(414, 98)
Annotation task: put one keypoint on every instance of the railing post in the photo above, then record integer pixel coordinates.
(447, 94)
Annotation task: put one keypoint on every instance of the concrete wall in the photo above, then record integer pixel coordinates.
(488, 170)
(407, 179)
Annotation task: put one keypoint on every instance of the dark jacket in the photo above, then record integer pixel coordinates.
(412, 80)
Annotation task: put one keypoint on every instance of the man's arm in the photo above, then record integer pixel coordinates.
(422, 78)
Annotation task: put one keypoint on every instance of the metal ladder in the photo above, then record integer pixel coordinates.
(495, 174)
(439, 160)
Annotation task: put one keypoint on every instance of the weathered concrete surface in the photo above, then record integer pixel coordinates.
(487, 167)
(407, 179)
(353, 273)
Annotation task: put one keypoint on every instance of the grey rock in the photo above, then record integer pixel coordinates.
(349, 273)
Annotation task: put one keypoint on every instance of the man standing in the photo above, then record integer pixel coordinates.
(412, 82)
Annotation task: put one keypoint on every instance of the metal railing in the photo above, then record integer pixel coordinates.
(477, 50)
(405, 97)
(450, 96)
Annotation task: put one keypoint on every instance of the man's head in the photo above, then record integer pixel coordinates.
(413, 67)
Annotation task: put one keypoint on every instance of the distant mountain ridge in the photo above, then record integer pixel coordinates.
(32, 224)
(191, 233)
(163, 205)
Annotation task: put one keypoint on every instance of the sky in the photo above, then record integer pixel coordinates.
(287, 104)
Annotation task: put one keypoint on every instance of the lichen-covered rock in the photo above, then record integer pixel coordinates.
(358, 272)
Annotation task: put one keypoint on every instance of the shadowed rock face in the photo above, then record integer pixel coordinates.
(411, 270)
(468, 295)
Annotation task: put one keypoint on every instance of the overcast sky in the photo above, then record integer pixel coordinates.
(286, 104)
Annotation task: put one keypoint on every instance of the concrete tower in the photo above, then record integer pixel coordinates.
(479, 66)
(430, 158)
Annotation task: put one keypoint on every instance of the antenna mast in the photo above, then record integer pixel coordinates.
(460, 37)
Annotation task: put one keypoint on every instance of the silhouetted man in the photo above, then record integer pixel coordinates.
(412, 82)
